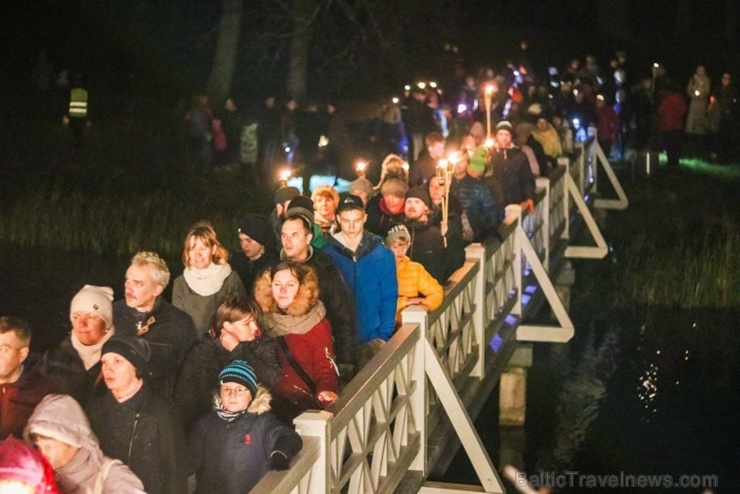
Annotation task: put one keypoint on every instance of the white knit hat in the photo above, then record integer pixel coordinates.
(96, 300)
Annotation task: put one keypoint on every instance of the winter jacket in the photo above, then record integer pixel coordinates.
(202, 308)
(370, 273)
(170, 333)
(308, 335)
(199, 374)
(62, 418)
(477, 202)
(145, 433)
(671, 111)
(18, 399)
(65, 368)
(333, 292)
(509, 177)
(415, 281)
(428, 249)
(248, 270)
(230, 457)
(379, 218)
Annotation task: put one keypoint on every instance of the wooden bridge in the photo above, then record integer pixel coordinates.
(405, 414)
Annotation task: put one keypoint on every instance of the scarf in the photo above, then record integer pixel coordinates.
(90, 354)
(282, 324)
(229, 416)
(207, 281)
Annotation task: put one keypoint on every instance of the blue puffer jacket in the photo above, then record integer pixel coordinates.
(370, 274)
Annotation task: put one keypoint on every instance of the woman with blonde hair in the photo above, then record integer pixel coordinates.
(325, 201)
(207, 278)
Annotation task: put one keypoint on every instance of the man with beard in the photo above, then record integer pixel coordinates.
(439, 249)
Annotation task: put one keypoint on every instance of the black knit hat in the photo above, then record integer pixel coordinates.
(301, 206)
(256, 227)
(133, 348)
(286, 194)
(420, 193)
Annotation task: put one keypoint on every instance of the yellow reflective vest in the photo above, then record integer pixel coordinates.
(78, 103)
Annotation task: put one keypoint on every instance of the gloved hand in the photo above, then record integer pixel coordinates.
(278, 461)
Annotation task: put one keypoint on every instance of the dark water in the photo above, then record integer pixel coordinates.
(648, 392)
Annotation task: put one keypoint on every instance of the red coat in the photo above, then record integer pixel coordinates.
(314, 352)
(607, 123)
(19, 399)
(671, 112)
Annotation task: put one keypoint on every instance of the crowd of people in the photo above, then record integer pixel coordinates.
(199, 392)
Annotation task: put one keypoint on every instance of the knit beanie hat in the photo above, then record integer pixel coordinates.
(21, 462)
(420, 193)
(286, 194)
(363, 185)
(397, 232)
(505, 125)
(133, 348)
(394, 187)
(477, 162)
(301, 206)
(96, 300)
(256, 227)
(240, 372)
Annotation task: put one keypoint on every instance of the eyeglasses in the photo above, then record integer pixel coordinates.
(234, 391)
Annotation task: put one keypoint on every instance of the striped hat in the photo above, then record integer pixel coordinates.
(239, 372)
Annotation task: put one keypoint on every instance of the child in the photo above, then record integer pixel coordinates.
(413, 279)
(232, 447)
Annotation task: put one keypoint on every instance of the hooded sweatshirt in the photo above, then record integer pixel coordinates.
(60, 417)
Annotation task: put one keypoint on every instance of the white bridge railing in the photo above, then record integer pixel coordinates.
(377, 437)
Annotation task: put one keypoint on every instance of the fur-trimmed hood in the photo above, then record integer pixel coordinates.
(259, 404)
(306, 298)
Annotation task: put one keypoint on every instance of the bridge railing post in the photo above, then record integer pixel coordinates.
(478, 252)
(515, 211)
(543, 214)
(419, 397)
(317, 423)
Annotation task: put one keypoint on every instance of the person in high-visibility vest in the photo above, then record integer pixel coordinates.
(77, 115)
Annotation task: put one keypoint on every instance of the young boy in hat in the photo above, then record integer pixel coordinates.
(415, 285)
(133, 423)
(256, 250)
(235, 445)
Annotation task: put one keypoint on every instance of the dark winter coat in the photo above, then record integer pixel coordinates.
(18, 399)
(379, 218)
(510, 180)
(428, 249)
(199, 374)
(248, 270)
(65, 368)
(477, 202)
(170, 336)
(231, 457)
(144, 433)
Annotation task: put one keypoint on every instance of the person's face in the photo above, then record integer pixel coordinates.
(437, 150)
(89, 328)
(57, 452)
(234, 397)
(435, 191)
(541, 124)
(201, 256)
(249, 246)
(467, 143)
(700, 70)
(352, 222)
(726, 80)
(503, 138)
(245, 329)
(230, 105)
(361, 194)
(141, 291)
(325, 206)
(399, 248)
(118, 373)
(394, 203)
(285, 287)
(295, 240)
(12, 354)
(415, 209)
